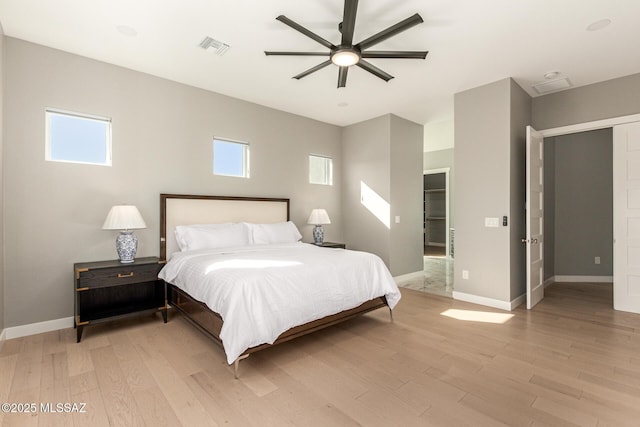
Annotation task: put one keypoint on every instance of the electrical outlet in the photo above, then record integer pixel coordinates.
(597, 260)
(465, 274)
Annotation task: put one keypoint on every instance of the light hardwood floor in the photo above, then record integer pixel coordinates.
(570, 361)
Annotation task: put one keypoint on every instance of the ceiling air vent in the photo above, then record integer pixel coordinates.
(218, 47)
(552, 85)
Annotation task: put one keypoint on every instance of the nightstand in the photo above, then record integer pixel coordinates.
(110, 290)
(333, 245)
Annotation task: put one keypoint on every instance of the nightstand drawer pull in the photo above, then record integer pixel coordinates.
(122, 276)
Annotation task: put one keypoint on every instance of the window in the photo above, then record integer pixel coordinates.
(320, 170)
(77, 138)
(230, 158)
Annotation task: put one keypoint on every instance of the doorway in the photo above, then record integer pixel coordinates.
(620, 216)
(578, 207)
(436, 232)
(437, 277)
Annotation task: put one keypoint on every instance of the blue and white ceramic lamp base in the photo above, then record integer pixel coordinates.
(318, 235)
(126, 246)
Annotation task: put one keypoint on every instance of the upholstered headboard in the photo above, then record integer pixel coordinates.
(181, 209)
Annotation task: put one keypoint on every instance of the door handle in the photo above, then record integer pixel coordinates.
(524, 240)
(534, 241)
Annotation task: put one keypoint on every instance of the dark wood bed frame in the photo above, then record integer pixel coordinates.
(210, 322)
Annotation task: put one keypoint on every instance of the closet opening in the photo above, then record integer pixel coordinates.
(437, 235)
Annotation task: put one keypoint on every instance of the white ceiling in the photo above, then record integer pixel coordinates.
(470, 43)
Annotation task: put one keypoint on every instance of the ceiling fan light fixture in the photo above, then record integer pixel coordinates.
(345, 57)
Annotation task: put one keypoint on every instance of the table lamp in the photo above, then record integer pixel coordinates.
(125, 218)
(318, 217)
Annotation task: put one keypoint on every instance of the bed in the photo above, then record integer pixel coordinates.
(230, 291)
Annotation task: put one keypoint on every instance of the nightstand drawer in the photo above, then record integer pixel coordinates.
(97, 278)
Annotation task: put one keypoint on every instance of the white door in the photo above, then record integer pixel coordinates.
(626, 217)
(534, 199)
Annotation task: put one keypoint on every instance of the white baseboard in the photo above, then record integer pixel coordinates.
(522, 299)
(549, 281)
(585, 279)
(409, 276)
(489, 302)
(38, 328)
(3, 337)
(437, 244)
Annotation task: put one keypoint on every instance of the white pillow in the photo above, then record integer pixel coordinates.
(182, 230)
(225, 236)
(280, 232)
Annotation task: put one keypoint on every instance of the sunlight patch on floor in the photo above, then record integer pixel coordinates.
(477, 316)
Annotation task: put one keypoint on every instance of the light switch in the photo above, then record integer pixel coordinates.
(397, 219)
(492, 222)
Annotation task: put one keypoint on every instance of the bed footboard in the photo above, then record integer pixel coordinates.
(211, 322)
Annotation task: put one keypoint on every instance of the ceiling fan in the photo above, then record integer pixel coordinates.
(347, 53)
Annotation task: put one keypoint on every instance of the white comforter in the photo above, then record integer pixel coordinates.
(263, 290)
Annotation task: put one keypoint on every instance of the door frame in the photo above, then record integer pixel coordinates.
(593, 125)
(587, 126)
(446, 202)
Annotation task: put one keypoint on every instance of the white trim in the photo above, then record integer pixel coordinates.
(408, 276)
(3, 338)
(39, 328)
(596, 124)
(489, 302)
(583, 279)
(92, 117)
(551, 280)
(435, 171)
(522, 299)
(447, 194)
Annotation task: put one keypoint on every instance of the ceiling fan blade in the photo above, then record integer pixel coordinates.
(312, 69)
(396, 54)
(390, 32)
(304, 31)
(270, 53)
(342, 76)
(348, 21)
(374, 70)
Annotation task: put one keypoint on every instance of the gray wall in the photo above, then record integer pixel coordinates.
(385, 154)
(583, 205)
(520, 118)
(611, 98)
(162, 133)
(443, 159)
(2, 310)
(489, 157)
(406, 251)
(482, 158)
(604, 100)
(365, 155)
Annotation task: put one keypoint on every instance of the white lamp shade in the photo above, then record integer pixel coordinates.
(319, 217)
(123, 217)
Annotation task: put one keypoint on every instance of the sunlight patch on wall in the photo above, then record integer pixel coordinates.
(378, 206)
(477, 316)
